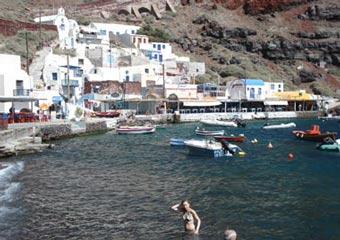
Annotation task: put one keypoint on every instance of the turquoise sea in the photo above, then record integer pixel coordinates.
(111, 186)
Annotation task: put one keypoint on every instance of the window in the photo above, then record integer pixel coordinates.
(54, 76)
(163, 46)
(102, 32)
(279, 86)
(95, 71)
(158, 47)
(80, 61)
(132, 31)
(146, 70)
(154, 45)
(272, 86)
(259, 91)
(110, 59)
(62, 26)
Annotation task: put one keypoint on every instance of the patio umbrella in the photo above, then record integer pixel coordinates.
(43, 106)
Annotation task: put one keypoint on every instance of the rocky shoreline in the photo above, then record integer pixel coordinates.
(33, 137)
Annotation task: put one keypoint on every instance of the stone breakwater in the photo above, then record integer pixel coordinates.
(31, 138)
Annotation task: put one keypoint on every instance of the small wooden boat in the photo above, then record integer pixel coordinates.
(107, 114)
(204, 132)
(314, 134)
(329, 145)
(230, 138)
(281, 125)
(135, 129)
(211, 148)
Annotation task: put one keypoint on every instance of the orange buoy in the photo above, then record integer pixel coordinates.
(291, 155)
(270, 145)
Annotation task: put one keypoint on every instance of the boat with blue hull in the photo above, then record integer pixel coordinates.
(177, 141)
(204, 132)
(212, 148)
(329, 145)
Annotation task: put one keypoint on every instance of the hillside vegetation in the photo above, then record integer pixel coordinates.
(294, 41)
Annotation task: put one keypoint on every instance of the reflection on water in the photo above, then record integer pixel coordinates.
(113, 186)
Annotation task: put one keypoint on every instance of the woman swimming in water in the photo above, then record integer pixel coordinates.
(189, 216)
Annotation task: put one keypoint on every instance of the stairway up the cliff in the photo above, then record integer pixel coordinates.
(37, 65)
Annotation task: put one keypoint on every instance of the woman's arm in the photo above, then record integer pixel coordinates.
(175, 207)
(198, 221)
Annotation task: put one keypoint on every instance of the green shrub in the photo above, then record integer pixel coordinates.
(155, 34)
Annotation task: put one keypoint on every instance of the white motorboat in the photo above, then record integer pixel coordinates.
(212, 148)
(281, 125)
(216, 122)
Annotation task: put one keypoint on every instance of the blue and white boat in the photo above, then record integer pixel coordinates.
(212, 148)
(177, 141)
(204, 132)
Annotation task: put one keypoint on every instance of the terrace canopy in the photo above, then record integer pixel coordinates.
(201, 103)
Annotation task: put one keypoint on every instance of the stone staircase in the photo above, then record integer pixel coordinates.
(36, 67)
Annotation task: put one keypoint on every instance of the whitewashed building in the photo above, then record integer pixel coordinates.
(145, 74)
(14, 82)
(104, 29)
(67, 28)
(252, 89)
(56, 70)
(157, 51)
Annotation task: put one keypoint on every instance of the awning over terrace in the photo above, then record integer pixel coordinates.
(201, 103)
(275, 103)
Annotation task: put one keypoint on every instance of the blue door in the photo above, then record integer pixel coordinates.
(252, 93)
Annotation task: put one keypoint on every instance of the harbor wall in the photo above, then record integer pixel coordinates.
(29, 137)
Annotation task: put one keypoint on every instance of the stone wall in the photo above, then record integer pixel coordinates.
(97, 126)
(55, 131)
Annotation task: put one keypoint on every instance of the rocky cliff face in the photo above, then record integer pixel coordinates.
(296, 39)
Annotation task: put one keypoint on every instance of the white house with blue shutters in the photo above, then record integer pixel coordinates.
(104, 29)
(157, 51)
(61, 74)
(252, 89)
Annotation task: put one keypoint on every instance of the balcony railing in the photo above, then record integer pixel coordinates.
(22, 92)
(73, 83)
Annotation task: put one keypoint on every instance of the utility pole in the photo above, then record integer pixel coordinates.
(40, 40)
(163, 67)
(68, 76)
(27, 55)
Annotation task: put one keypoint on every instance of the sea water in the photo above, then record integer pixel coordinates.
(112, 186)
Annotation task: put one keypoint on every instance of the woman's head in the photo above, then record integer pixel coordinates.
(185, 204)
(230, 235)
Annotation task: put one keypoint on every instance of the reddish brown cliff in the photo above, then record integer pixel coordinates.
(10, 28)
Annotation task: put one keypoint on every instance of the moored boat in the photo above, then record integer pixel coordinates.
(107, 114)
(231, 138)
(314, 134)
(177, 141)
(216, 122)
(329, 145)
(211, 148)
(204, 132)
(135, 129)
(281, 125)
